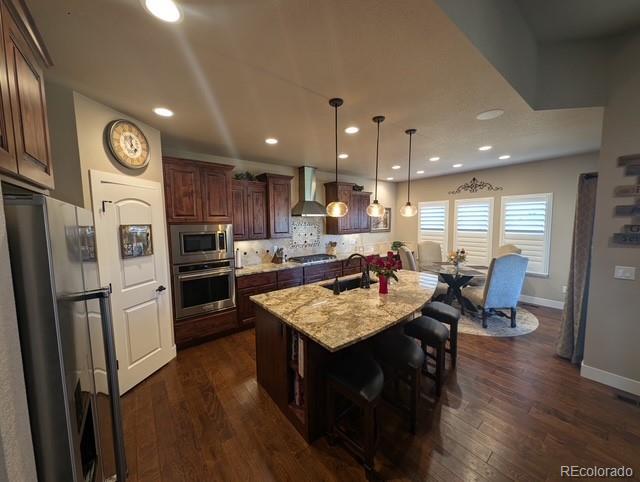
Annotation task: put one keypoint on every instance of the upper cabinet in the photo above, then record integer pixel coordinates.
(249, 210)
(197, 191)
(216, 194)
(357, 220)
(278, 205)
(24, 134)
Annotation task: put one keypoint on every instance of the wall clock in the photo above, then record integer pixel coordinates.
(127, 144)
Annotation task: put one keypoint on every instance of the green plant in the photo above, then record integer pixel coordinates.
(244, 176)
(395, 246)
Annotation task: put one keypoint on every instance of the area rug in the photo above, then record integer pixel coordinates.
(498, 325)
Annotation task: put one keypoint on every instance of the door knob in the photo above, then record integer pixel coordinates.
(160, 289)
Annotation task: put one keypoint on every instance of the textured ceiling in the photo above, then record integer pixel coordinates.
(238, 71)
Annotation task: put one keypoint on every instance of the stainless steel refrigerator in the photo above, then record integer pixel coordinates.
(66, 337)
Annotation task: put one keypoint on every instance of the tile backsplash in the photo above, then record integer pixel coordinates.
(308, 238)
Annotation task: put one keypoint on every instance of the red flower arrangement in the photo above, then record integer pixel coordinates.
(384, 268)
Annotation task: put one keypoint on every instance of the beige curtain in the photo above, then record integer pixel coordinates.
(571, 342)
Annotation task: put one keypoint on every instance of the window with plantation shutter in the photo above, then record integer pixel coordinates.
(473, 229)
(526, 223)
(433, 223)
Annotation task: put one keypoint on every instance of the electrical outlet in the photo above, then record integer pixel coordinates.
(564, 290)
(625, 272)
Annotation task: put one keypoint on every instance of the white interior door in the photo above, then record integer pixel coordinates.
(142, 320)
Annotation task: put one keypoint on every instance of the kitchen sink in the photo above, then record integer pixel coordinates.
(347, 284)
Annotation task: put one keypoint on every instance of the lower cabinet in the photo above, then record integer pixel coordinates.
(194, 330)
(250, 285)
(324, 271)
(352, 266)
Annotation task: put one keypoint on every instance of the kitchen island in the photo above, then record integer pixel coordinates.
(300, 330)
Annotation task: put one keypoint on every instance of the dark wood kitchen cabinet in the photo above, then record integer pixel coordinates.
(182, 191)
(248, 286)
(357, 220)
(249, 201)
(216, 193)
(25, 150)
(239, 210)
(197, 192)
(278, 205)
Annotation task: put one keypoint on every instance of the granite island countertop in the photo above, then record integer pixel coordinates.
(337, 321)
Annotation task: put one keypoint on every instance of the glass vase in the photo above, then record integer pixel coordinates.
(383, 285)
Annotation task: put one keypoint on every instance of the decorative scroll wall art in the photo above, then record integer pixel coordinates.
(474, 186)
(630, 234)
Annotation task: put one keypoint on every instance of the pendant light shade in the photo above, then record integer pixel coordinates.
(336, 209)
(375, 209)
(409, 210)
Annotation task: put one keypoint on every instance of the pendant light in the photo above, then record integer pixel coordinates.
(408, 210)
(336, 209)
(375, 209)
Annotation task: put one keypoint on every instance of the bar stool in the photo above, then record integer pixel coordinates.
(434, 334)
(448, 315)
(359, 379)
(403, 360)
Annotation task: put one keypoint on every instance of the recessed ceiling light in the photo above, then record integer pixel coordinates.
(163, 112)
(419, 172)
(396, 167)
(434, 159)
(389, 179)
(343, 156)
(271, 140)
(485, 148)
(165, 10)
(457, 166)
(490, 114)
(352, 130)
(505, 156)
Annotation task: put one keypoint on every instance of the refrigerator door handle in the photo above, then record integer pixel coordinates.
(103, 295)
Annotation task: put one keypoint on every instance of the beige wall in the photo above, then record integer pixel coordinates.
(558, 176)
(77, 126)
(64, 144)
(91, 119)
(16, 450)
(613, 324)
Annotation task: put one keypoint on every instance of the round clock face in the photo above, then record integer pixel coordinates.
(128, 144)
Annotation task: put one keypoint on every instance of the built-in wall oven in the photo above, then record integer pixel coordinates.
(194, 243)
(203, 287)
(203, 268)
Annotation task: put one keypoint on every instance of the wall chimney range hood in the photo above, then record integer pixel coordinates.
(307, 204)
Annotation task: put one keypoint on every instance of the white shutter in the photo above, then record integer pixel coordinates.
(526, 223)
(433, 223)
(473, 229)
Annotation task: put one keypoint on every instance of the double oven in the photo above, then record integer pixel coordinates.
(203, 268)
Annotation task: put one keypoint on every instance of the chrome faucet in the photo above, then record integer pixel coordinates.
(365, 281)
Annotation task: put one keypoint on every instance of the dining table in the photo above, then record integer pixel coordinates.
(457, 278)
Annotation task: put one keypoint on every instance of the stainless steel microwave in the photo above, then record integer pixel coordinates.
(196, 243)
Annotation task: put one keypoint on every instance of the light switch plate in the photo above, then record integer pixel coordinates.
(625, 272)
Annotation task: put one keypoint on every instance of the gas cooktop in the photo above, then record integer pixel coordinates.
(312, 258)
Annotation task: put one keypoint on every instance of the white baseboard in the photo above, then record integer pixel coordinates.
(534, 300)
(611, 379)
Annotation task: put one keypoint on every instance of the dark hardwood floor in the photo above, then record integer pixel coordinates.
(511, 411)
